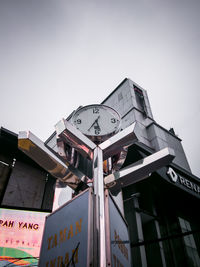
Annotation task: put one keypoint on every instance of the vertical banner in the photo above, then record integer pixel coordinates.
(67, 238)
(20, 237)
(118, 243)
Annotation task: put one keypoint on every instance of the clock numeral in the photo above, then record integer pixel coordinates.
(78, 121)
(97, 131)
(113, 120)
(96, 110)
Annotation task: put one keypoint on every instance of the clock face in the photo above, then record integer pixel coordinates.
(98, 121)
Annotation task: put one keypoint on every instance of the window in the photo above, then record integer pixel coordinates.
(140, 100)
(189, 242)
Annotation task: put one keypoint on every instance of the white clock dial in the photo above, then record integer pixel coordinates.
(97, 121)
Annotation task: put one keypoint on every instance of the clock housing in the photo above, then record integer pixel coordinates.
(98, 122)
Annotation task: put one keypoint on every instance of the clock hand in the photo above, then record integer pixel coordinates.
(97, 127)
(92, 125)
(95, 122)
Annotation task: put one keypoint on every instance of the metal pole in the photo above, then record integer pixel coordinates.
(100, 210)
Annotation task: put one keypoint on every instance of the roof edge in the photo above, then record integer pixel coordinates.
(126, 79)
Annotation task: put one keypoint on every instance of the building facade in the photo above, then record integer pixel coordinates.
(161, 211)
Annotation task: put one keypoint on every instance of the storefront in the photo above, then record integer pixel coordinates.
(162, 214)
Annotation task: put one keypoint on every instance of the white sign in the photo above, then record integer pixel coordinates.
(66, 238)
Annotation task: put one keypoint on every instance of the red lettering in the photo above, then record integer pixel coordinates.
(30, 226)
(20, 224)
(36, 226)
(11, 224)
(25, 226)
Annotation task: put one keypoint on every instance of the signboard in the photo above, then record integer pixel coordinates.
(68, 234)
(20, 237)
(118, 244)
(185, 183)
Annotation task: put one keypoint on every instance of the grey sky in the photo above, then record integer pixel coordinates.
(57, 55)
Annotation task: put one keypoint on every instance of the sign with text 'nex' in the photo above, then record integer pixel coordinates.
(67, 234)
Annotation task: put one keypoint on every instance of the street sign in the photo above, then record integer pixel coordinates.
(139, 170)
(117, 241)
(67, 237)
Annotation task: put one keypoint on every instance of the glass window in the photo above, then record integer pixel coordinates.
(189, 242)
(140, 100)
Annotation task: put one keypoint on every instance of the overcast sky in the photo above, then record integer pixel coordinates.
(57, 55)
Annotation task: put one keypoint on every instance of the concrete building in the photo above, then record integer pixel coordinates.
(162, 210)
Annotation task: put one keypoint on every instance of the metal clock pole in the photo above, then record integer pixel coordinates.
(99, 207)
